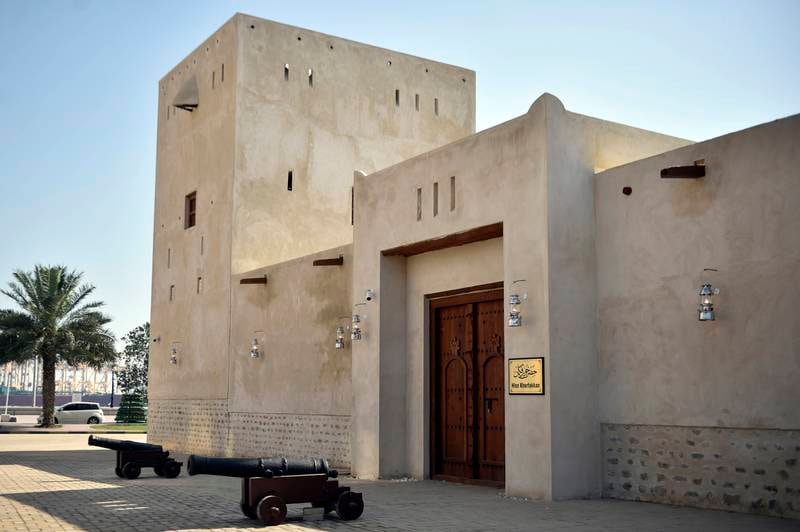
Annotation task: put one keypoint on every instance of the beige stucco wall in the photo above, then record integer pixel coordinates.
(658, 364)
(347, 120)
(294, 316)
(528, 173)
(194, 153)
(576, 146)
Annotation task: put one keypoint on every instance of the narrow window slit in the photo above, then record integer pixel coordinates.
(416, 101)
(289, 181)
(435, 198)
(397, 97)
(202, 244)
(310, 77)
(436, 106)
(190, 210)
(352, 205)
(199, 285)
(286, 71)
(419, 204)
(169, 257)
(452, 193)
(213, 78)
(222, 74)
(172, 292)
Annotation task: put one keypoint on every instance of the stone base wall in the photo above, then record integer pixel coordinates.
(743, 470)
(189, 426)
(207, 427)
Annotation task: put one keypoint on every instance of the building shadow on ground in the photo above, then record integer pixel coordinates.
(80, 489)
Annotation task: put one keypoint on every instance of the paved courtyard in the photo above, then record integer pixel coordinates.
(56, 482)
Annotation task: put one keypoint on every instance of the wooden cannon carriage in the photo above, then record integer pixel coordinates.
(269, 484)
(132, 456)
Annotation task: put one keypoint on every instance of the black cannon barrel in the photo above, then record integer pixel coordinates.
(123, 445)
(258, 467)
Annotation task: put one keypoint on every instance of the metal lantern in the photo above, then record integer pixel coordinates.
(514, 302)
(514, 315)
(706, 308)
(173, 357)
(340, 337)
(355, 329)
(255, 352)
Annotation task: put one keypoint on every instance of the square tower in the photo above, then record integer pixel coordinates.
(259, 131)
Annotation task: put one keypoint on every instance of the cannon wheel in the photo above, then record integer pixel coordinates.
(118, 471)
(247, 511)
(158, 470)
(131, 471)
(171, 469)
(271, 510)
(350, 505)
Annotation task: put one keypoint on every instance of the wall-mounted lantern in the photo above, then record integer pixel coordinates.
(255, 352)
(341, 330)
(515, 302)
(355, 324)
(257, 345)
(340, 337)
(369, 294)
(707, 293)
(173, 355)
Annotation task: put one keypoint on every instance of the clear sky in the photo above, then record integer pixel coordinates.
(78, 91)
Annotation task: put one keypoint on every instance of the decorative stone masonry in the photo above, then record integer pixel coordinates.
(189, 426)
(742, 470)
(292, 435)
(206, 427)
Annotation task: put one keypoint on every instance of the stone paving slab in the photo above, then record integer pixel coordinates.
(61, 484)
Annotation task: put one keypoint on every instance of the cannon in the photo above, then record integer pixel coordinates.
(269, 484)
(122, 445)
(132, 456)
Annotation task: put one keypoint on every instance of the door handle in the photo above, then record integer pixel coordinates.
(487, 401)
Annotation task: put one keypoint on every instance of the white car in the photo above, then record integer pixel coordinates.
(87, 413)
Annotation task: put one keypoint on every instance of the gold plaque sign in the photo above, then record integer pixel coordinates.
(526, 376)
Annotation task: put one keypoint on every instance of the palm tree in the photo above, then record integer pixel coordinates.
(55, 322)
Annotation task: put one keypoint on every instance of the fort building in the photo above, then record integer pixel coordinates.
(344, 268)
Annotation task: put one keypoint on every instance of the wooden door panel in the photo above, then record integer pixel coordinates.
(491, 418)
(468, 410)
(454, 333)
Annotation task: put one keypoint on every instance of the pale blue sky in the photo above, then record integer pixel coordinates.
(78, 89)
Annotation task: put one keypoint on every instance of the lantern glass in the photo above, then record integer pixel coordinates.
(339, 337)
(515, 314)
(355, 331)
(706, 307)
(254, 350)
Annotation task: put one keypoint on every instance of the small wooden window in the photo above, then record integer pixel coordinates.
(190, 210)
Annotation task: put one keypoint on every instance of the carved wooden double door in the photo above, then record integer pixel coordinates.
(467, 388)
